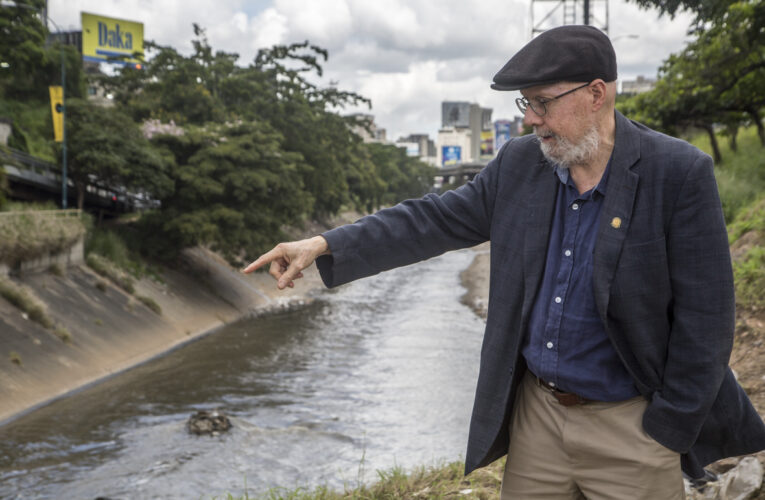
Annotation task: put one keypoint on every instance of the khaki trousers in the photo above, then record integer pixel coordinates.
(593, 451)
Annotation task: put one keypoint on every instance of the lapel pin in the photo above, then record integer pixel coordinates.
(616, 222)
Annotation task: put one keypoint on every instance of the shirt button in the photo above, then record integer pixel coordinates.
(558, 300)
(575, 206)
(549, 345)
(567, 253)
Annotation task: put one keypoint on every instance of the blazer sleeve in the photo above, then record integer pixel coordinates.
(412, 231)
(702, 312)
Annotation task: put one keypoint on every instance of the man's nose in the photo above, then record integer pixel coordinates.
(531, 119)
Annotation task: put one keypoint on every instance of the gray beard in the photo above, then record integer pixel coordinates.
(565, 153)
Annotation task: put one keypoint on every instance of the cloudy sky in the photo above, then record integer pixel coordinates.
(405, 55)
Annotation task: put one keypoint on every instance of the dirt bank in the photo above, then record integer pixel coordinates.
(112, 331)
(476, 280)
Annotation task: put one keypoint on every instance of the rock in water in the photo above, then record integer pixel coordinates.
(208, 422)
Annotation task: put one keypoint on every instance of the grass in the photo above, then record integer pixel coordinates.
(25, 301)
(443, 482)
(150, 303)
(747, 235)
(108, 270)
(741, 174)
(62, 333)
(29, 234)
(120, 246)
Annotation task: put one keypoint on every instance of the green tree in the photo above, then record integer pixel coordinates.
(234, 188)
(105, 145)
(716, 79)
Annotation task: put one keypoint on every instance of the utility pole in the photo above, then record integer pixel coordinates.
(547, 14)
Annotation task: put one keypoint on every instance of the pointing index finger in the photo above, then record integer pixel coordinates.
(262, 260)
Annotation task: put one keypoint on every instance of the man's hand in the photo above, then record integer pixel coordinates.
(289, 259)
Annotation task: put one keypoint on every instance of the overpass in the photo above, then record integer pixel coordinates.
(33, 179)
(461, 172)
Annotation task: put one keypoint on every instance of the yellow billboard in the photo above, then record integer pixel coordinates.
(57, 111)
(106, 39)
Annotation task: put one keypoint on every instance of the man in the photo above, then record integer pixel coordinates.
(604, 368)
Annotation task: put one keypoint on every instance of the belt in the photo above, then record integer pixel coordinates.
(564, 398)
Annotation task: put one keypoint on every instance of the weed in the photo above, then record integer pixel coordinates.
(25, 302)
(56, 270)
(150, 303)
(101, 285)
(108, 270)
(98, 322)
(15, 358)
(62, 333)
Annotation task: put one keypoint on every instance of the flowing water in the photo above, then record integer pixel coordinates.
(373, 375)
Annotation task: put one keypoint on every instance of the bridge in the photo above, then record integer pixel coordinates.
(460, 173)
(33, 179)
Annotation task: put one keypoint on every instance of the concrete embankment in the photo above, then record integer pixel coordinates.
(111, 330)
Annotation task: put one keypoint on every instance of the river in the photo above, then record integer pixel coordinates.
(376, 374)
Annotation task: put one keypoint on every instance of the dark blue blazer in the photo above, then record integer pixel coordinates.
(661, 275)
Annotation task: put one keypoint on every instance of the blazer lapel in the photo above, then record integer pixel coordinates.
(616, 213)
(541, 205)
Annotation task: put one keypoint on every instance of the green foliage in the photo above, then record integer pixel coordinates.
(105, 144)
(234, 188)
(717, 78)
(747, 237)
(231, 153)
(741, 176)
(32, 129)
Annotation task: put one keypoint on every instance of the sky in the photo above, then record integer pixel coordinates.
(407, 56)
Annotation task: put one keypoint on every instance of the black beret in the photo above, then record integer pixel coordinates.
(563, 54)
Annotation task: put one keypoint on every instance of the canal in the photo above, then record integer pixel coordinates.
(376, 374)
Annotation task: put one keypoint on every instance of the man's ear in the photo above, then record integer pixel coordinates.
(598, 92)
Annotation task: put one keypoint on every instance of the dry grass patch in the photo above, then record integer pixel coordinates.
(29, 235)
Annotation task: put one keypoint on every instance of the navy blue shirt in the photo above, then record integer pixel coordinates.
(566, 343)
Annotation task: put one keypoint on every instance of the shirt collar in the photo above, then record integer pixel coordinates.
(563, 175)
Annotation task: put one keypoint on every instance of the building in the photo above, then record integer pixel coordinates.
(505, 129)
(420, 146)
(465, 134)
(366, 128)
(637, 86)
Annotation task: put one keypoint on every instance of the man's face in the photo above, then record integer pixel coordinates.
(567, 132)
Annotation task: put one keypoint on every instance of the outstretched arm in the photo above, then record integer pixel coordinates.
(289, 259)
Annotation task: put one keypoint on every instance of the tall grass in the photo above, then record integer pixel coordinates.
(741, 174)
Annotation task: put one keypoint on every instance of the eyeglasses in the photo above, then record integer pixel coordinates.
(539, 106)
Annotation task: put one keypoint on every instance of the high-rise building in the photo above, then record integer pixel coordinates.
(464, 125)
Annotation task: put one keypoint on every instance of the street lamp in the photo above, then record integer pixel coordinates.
(6, 3)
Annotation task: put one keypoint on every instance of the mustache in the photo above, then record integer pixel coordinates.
(540, 132)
